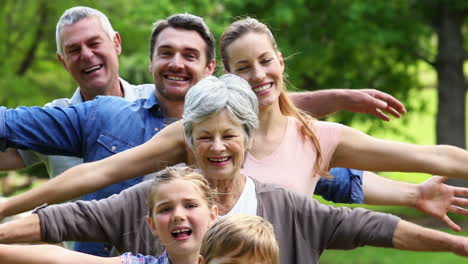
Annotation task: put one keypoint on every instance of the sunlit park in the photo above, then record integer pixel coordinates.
(412, 49)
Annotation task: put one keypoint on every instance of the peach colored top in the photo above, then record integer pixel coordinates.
(291, 165)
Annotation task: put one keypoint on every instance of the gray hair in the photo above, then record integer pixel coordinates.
(212, 95)
(74, 15)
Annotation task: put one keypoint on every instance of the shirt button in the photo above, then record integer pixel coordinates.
(156, 129)
(114, 148)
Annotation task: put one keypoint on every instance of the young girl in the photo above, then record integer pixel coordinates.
(181, 207)
(238, 239)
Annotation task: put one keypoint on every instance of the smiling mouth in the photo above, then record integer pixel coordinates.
(181, 233)
(176, 78)
(262, 87)
(92, 69)
(219, 160)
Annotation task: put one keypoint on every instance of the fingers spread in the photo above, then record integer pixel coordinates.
(451, 224)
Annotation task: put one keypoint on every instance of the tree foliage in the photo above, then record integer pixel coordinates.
(327, 43)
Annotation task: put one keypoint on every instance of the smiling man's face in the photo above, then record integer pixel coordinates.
(90, 55)
(179, 61)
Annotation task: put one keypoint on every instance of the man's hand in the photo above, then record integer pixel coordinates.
(369, 101)
(436, 198)
(373, 102)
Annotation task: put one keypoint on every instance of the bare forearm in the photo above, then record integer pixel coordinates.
(379, 190)
(409, 236)
(11, 160)
(71, 184)
(23, 230)
(48, 254)
(318, 103)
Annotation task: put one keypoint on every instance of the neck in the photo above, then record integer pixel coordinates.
(229, 192)
(270, 120)
(172, 108)
(90, 93)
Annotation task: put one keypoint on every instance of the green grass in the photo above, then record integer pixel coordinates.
(371, 255)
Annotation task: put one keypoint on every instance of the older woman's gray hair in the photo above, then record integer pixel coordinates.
(211, 95)
(74, 15)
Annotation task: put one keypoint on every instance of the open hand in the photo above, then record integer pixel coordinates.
(436, 199)
(373, 102)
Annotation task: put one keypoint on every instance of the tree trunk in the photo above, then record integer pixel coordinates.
(451, 81)
(28, 59)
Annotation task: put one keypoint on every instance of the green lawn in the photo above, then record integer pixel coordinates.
(421, 128)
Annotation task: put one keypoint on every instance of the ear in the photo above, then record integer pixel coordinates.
(150, 67)
(62, 61)
(152, 226)
(214, 213)
(210, 68)
(118, 43)
(201, 260)
(281, 61)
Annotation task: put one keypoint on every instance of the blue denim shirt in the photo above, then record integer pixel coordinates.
(92, 130)
(107, 125)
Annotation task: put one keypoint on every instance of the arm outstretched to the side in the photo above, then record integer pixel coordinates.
(164, 149)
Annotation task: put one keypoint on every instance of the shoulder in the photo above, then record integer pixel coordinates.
(277, 196)
(133, 92)
(60, 102)
(321, 126)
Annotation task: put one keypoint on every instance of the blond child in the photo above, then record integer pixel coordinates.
(237, 239)
(181, 207)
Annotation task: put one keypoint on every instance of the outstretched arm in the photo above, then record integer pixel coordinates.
(22, 230)
(48, 254)
(360, 151)
(369, 101)
(11, 160)
(164, 149)
(409, 236)
(432, 197)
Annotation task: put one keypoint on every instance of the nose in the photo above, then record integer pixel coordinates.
(258, 74)
(178, 215)
(217, 145)
(86, 52)
(176, 63)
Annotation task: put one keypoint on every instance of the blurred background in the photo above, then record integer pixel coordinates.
(412, 49)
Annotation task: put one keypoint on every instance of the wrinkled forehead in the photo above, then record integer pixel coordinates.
(82, 30)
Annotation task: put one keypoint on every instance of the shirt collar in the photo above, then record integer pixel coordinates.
(78, 98)
(152, 102)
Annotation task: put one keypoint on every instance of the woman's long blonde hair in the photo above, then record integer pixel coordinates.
(247, 25)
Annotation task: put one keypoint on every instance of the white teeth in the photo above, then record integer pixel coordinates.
(262, 88)
(218, 159)
(175, 78)
(93, 68)
(180, 231)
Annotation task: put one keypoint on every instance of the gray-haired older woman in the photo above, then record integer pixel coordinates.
(219, 118)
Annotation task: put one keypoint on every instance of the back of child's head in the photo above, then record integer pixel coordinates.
(181, 173)
(237, 237)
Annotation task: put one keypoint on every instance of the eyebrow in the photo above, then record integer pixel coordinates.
(190, 199)
(184, 49)
(71, 45)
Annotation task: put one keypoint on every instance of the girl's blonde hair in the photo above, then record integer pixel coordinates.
(247, 25)
(240, 236)
(185, 173)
